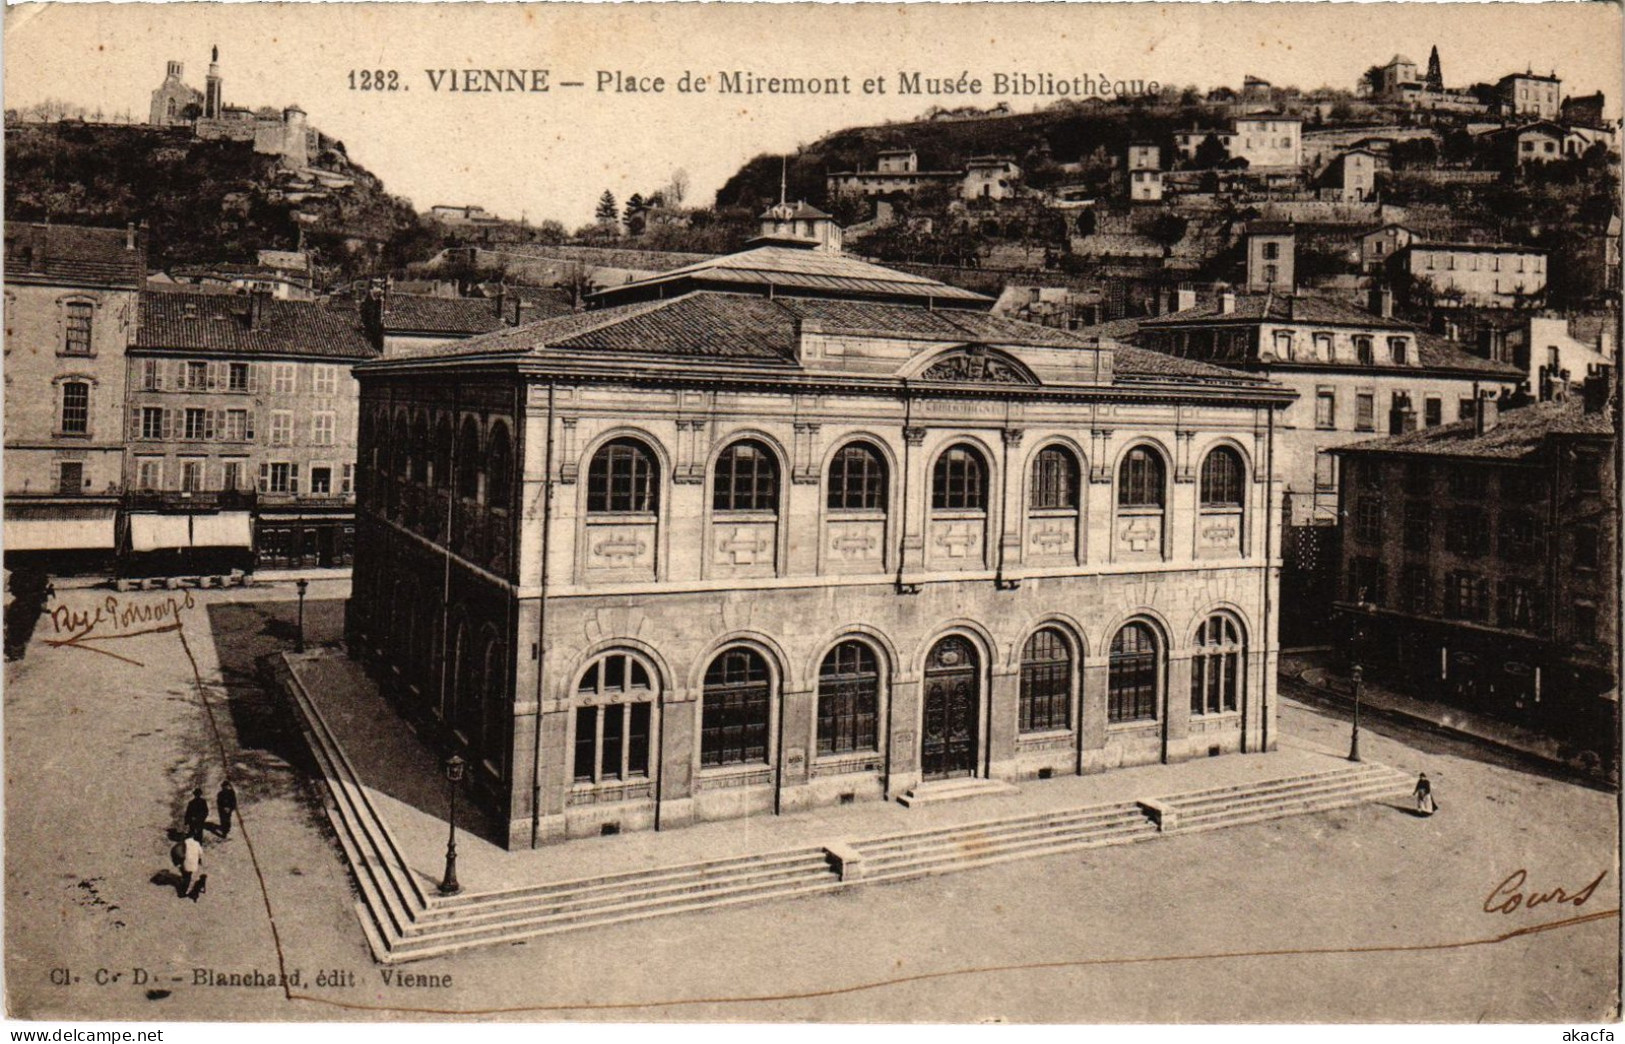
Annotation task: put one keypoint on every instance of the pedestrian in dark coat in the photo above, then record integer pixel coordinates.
(1425, 805)
(197, 814)
(225, 803)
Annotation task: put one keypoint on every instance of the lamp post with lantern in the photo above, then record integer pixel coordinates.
(300, 585)
(454, 767)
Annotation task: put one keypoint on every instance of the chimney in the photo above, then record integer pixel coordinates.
(256, 308)
(129, 235)
(1184, 297)
(372, 316)
(1598, 388)
(1486, 413)
(1227, 302)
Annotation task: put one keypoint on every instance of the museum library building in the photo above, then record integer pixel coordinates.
(785, 529)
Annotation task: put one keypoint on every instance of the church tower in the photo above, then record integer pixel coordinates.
(212, 103)
(1435, 79)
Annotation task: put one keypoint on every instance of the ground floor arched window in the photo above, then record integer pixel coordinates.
(612, 732)
(849, 700)
(1217, 666)
(1135, 675)
(1046, 682)
(734, 719)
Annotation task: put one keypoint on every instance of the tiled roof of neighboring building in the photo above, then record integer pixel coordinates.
(226, 323)
(1518, 433)
(746, 328)
(73, 255)
(1278, 308)
(423, 313)
(1438, 353)
(793, 270)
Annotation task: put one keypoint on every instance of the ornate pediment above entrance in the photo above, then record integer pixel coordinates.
(972, 364)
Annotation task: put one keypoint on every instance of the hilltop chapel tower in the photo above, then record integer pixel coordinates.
(212, 88)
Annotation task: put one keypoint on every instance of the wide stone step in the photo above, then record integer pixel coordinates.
(940, 791)
(521, 925)
(1081, 813)
(631, 878)
(1267, 785)
(971, 849)
(1289, 804)
(1240, 801)
(930, 866)
(983, 836)
(567, 904)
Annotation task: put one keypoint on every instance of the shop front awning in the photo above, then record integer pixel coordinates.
(60, 534)
(158, 532)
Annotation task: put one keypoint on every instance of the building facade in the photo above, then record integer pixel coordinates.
(1262, 139)
(241, 408)
(1484, 275)
(822, 536)
(1526, 94)
(70, 311)
(1480, 570)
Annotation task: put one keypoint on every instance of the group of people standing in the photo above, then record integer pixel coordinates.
(188, 852)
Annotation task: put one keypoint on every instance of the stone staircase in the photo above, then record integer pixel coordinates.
(405, 920)
(941, 790)
(1288, 796)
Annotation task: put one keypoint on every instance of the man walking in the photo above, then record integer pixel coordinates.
(191, 866)
(197, 814)
(225, 803)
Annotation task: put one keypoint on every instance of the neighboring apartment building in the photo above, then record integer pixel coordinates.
(1483, 275)
(897, 172)
(1526, 94)
(1262, 139)
(70, 310)
(1479, 564)
(1352, 176)
(1144, 172)
(405, 324)
(242, 410)
(785, 529)
(1381, 244)
(1554, 345)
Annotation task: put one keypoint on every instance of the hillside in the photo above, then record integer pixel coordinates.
(1040, 141)
(206, 201)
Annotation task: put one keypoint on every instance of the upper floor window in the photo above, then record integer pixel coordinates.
(77, 331)
(499, 467)
(857, 479)
(1399, 349)
(959, 481)
(621, 478)
(75, 415)
(746, 479)
(1223, 479)
(1323, 347)
(1055, 480)
(322, 428)
(195, 375)
(324, 380)
(1140, 481)
(1362, 350)
(283, 378)
(237, 376)
(468, 460)
(1326, 409)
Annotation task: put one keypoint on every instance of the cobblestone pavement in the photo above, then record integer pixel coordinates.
(1360, 914)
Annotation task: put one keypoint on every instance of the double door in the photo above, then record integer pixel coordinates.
(953, 684)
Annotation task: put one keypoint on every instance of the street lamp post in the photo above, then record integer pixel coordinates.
(454, 775)
(300, 585)
(1354, 737)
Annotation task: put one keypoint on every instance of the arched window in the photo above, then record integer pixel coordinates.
(420, 449)
(849, 700)
(1140, 481)
(1135, 675)
(857, 479)
(401, 448)
(75, 415)
(499, 466)
(613, 729)
(468, 460)
(1223, 479)
(746, 479)
(441, 473)
(733, 723)
(959, 481)
(1055, 480)
(1217, 666)
(622, 479)
(1046, 682)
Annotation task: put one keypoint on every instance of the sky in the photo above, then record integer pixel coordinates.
(551, 154)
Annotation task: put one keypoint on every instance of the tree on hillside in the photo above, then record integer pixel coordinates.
(634, 216)
(608, 211)
(1210, 153)
(676, 188)
(1371, 81)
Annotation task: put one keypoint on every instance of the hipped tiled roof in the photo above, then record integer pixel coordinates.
(226, 324)
(459, 316)
(73, 255)
(1517, 433)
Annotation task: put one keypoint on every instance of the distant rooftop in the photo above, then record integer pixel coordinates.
(74, 255)
(248, 325)
(1517, 433)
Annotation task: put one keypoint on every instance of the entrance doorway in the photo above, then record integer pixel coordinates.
(953, 691)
